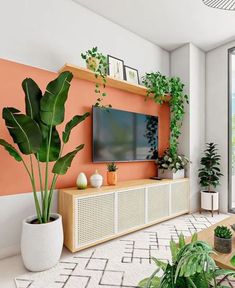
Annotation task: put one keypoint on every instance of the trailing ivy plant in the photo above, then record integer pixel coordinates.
(168, 89)
(35, 133)
(192, 266)
(97, 63)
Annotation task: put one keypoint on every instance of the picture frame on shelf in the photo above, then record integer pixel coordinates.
(131, 75)
(115, 67)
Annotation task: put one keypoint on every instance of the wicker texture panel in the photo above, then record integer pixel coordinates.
(94, 218)
(179, 197)
(131, 209)
(158, 202)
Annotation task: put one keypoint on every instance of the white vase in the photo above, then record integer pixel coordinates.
(169, 174)
(81, 181)
(96, 180)
(41, 244)
(210, 200)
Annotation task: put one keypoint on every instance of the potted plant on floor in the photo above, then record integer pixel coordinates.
(171, 166)
(192, 266)
(209, 175)
(223, 239)
(35, 133)
(112, 174)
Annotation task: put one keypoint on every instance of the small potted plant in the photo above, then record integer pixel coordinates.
(209, 175)
(112, 174)
(223, 239)
(171, 166)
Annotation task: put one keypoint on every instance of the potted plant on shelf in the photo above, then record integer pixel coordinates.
(97, 63)
(35, 133)
(192, 266)
(223, 239)
(112, 174)
(171, 166)
(209, 175)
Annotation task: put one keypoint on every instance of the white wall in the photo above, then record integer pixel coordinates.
(188, 62)
(217, 110)
(49, 33)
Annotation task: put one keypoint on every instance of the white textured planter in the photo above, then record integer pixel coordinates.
(209, 201)
(41, 244)
(168, 174)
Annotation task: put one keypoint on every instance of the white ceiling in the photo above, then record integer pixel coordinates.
(169, 23)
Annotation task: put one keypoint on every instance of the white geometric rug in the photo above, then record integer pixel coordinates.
(119, 263)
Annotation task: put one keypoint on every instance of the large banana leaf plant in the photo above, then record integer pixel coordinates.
(35, 133)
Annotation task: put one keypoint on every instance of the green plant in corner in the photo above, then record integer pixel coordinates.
(209, 174)
(223, 232)
(36, 136)
(97, 63)
(112, 167)
(192, 266)
(168, 89)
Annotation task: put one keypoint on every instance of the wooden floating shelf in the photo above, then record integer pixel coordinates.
(85, 74)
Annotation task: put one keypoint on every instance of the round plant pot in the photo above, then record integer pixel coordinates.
(41, 244)
(223, 245)
(210, 200)
(112, 178)
(93, 63)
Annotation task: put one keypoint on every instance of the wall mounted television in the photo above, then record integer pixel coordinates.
(123, 136)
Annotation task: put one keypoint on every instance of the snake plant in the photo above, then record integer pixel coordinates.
(35, 133)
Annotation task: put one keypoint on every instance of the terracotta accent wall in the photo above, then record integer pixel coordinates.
(13, 177)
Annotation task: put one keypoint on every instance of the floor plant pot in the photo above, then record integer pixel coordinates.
(210, 201)
(112, 177)
(169, 174)
(41, 244)
(223, 245)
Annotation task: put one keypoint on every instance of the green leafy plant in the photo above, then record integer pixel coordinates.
(192, 266)
(35, 133)
(172, 162)
(168, 89)
(112, 167)
(223, 232)
(98, 63)
(209, 173)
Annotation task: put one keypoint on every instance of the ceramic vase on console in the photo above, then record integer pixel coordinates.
(96, 180)
(82, 181)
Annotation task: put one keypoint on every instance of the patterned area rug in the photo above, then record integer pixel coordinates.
(119, 263)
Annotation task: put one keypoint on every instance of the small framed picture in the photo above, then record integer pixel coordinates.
(131, 75)
(115, 67)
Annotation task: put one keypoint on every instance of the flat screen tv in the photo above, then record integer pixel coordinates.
(124, 136)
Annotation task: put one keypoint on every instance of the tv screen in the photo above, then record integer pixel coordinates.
(124, 136)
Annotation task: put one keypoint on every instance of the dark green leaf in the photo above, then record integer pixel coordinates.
(24, 130)
(62, 164)
(12, 151)
(73, 123)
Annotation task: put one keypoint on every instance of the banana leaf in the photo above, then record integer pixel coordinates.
(11, 150)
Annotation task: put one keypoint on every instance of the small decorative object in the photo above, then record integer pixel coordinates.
(209, 175)
(171, 166)
(112, 174)
(131, 75)
(115, 67)
(82, 181)
(221, 4)
(96, 180)
(223, 239)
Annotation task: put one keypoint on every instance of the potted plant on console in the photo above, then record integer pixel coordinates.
(35, 133)
(223, 239)
(112, 174)
(209, 175)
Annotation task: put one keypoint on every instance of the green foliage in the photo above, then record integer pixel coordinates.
(223, 232)
(98, 63)
(112, 167)
(36, 135)
(232, 260)
(192, 267)
(170, 161)
(161, 87)
(209, 173)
